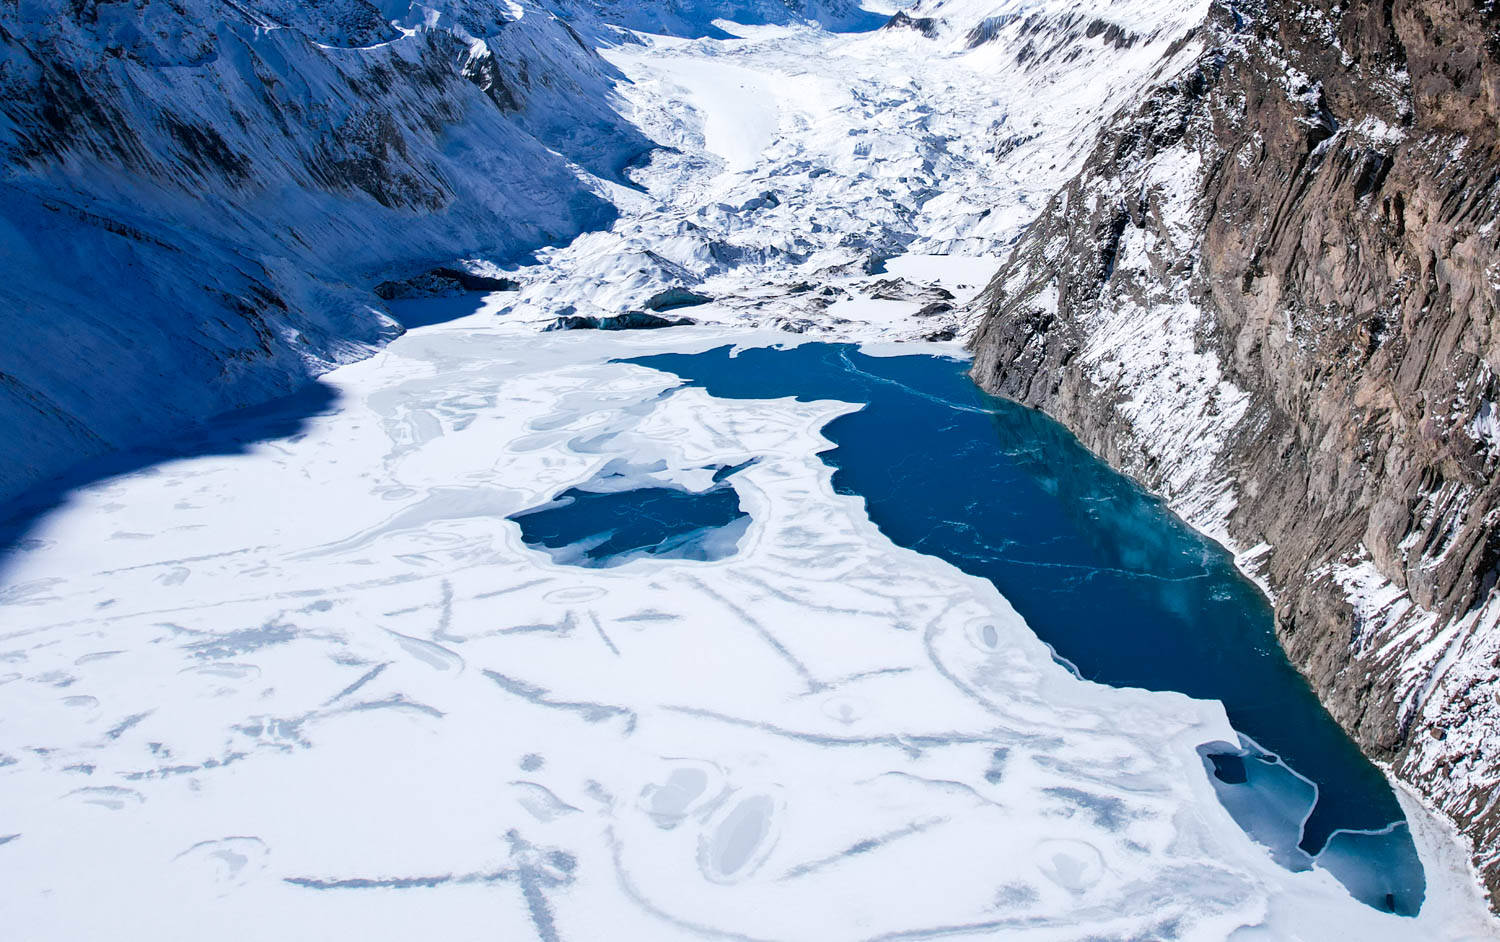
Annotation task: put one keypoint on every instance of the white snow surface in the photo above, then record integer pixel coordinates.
(1485, 426)
(322, 688)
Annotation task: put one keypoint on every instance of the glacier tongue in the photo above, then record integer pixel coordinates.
(203, 194)
(797, 163)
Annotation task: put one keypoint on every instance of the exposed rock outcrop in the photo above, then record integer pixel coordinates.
(1271, 295)
(925, 25)
(630, 320)
(443, 282)
(675, 297)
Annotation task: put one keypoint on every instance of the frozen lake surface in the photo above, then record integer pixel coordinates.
(361, 667)
(1124, 592)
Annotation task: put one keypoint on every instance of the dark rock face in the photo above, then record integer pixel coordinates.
(1271, 295)
(443, 282)
(925, 25)
(675, 297)
(1051, 35)
(630, 320)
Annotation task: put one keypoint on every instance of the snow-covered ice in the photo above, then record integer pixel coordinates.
(324, 686)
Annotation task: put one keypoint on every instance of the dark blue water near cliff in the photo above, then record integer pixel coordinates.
(1121, 589)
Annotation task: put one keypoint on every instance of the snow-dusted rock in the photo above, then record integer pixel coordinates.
(1271, 296)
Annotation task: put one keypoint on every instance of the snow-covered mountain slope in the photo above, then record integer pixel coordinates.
(1271, 295)
(197, 198)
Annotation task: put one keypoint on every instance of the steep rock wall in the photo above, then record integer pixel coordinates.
(1271, 295)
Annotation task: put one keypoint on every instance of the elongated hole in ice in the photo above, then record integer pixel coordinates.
(602, 524)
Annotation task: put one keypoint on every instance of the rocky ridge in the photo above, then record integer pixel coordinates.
(1270, 295)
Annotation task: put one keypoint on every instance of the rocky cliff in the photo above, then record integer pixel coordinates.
(1271, 295)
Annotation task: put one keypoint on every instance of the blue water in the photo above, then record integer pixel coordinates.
(602, 528)
(1122, 589)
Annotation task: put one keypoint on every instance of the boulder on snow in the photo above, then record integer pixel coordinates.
(675, 297)
(899, 289)
(766, 200)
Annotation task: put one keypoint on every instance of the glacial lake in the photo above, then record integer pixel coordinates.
(611, 609)
(1124, 592)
